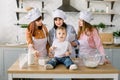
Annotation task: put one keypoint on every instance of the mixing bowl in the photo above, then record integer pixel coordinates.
(91, 61)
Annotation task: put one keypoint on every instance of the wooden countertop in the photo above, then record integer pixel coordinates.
(112, 46)
(14, 45)
(106, 46)
(60, 69)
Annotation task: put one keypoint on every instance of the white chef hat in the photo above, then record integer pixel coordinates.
(59, 13)
(86, 16)
(33, 14)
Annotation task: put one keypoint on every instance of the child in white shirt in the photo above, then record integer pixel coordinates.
(60, 51)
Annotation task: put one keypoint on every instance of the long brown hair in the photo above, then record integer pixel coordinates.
(32, 26)
(86, 27)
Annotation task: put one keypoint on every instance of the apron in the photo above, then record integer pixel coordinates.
(85, 47)
(40, 45)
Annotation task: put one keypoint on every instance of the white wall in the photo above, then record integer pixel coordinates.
(9, 31)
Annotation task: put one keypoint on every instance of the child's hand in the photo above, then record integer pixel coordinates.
(51, 55)
(67, 53)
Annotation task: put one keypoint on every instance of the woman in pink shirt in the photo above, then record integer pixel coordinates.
(88, 36)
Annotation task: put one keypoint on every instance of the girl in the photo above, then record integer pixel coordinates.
(88, 37)
(36, 34)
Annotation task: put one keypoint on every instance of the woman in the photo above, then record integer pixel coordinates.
(36, 33)
(88, 37)
(59, 18)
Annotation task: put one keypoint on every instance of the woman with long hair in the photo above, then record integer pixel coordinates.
(88, 37)
(36, 33)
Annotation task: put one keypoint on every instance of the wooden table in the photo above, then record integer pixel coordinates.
(37, 71)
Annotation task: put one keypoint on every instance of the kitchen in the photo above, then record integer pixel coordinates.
(12, 35)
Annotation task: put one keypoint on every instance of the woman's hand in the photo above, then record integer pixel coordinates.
(52, 48)
(106, 61)
(36, 54)
(73, 43)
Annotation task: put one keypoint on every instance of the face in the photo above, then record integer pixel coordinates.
(61, 34)
(80, 22)
(58, 22)
(39, 22)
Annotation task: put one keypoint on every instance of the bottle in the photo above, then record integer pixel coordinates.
(30, 57)
(107, 9)
(21, 4)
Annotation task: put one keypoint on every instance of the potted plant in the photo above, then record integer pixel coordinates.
(24, 25)
(100, 26)
(116, 35)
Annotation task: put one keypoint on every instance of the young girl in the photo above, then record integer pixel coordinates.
(60, 51)
(88, 36)
(36, 33)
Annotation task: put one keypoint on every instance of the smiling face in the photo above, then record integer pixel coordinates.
(58, 22)
(61, 34)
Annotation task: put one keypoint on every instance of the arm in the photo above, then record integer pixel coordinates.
(28, 37)
(99, 46)
(51, 36)
(30, 43)
(98, 42)
(72, 35)
(69, 50)
(51, 49)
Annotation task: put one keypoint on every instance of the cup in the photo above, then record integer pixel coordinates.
(43, 60)
(23, 60)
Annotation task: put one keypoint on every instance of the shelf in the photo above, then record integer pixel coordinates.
(24, 11)
(21, 9)
(104, 13)
(112, 2)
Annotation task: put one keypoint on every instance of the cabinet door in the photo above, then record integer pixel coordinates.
(108, 53)
(116, 58)
(1, 63)
(10, 56)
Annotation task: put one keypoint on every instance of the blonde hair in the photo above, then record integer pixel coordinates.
(61, 28)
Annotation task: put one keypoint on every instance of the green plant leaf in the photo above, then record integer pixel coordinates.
(101, 25)
(24, 25)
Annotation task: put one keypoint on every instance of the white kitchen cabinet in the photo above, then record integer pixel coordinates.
(116, 58)
(10, 55)
(108, 53)
(1, 63)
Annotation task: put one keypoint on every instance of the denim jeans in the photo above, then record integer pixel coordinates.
(62, 60)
